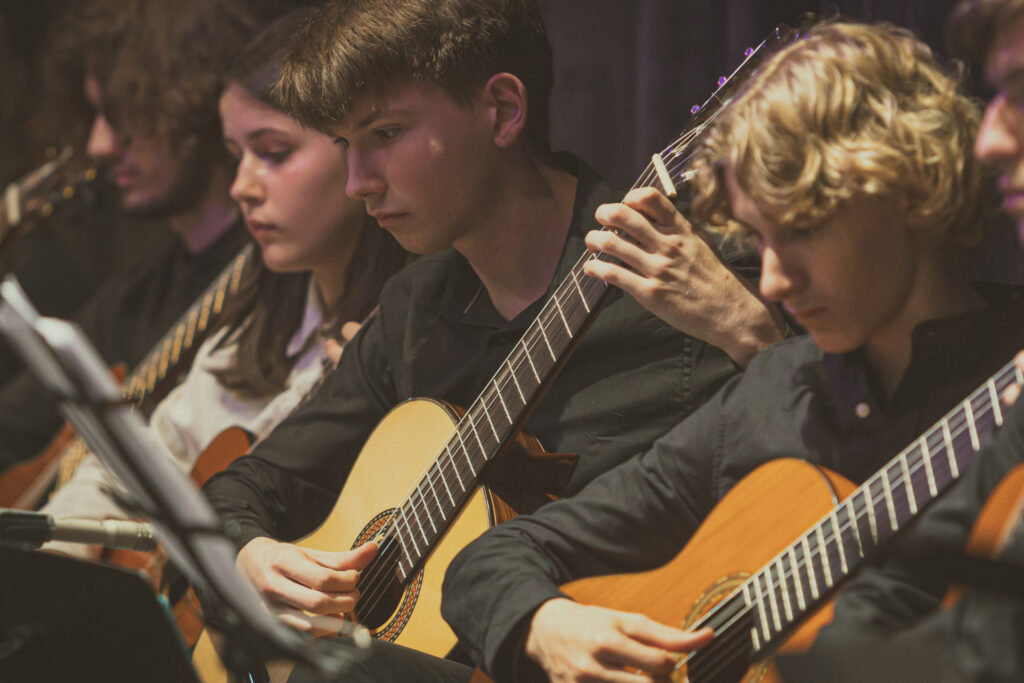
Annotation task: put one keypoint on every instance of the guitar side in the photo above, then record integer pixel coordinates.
(392, 461)
(759, 517)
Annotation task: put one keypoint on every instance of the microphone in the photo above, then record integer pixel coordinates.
(32, 529)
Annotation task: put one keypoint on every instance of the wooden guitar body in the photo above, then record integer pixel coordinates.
(761, 515)
(391, 462)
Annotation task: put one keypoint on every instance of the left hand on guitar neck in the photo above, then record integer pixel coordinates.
(574, 642)
(675, 274)
(292, 578)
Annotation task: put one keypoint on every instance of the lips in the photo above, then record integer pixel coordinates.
(258, 229)
(123, 176)
(387, 218)
(802, 314)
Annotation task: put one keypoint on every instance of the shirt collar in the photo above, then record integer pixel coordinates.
(312, 321)
(465, 300)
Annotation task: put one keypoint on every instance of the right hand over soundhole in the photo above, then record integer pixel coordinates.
(574, 642)
(294, 580)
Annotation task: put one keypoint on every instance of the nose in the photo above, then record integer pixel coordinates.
(999, 137)
(779, 279)
(364, 177)
(247, 189)
(103, 144)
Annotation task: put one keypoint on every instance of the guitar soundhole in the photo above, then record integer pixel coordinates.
(385, 603)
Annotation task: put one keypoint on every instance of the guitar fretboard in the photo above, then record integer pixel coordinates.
(509, 397)
(771, 601)
(168, 353)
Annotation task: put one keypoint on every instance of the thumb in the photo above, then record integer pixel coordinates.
(357, 558)
(656, 634)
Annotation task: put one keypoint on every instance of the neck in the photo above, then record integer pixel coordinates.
(516, 250)
(948, 293)
(204, 223)
(331, 274)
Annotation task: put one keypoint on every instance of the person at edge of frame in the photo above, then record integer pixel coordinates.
(893, 611)
(147, 74)
(847, 161)
(321, 263)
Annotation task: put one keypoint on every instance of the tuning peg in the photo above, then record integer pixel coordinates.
(694, 109)
(749, 51)
(721, 81)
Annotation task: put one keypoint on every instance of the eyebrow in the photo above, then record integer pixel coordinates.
(376, 114)
(262, 133)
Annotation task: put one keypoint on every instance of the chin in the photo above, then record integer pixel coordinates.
(835, 343)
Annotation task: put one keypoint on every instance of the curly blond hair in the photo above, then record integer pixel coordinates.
(846, 112)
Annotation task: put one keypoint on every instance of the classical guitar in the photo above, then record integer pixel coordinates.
(422, 502)
(146, 384)
(743, 575)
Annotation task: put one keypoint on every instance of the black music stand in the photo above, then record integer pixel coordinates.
(52, 630)
(69, 367)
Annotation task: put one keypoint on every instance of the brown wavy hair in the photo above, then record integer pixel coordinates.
(269, 306)
(159, 63)
(352, 48)
(849, 111)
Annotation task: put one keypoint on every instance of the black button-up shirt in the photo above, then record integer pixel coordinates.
(793, 401)
(630, 379)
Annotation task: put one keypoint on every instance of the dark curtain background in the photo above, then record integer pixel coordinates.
(627, 73)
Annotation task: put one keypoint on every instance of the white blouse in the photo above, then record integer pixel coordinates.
(195, 413)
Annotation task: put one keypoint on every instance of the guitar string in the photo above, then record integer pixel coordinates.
(563, 294)
(674, 151)
(499, 385)
(831, 540)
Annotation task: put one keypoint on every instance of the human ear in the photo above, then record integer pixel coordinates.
(504, 95)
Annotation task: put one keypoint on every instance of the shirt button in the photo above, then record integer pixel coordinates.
(862, 410)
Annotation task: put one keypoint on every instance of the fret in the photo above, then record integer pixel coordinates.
(969, 412)
(760, 609)
(544, 336)
(490, 422)
(576, 282)
(419, 523)
(515, 380)
(204, 312)
(911, 498)
(433, 490)
(798, 584)
(165, 360)
(773, 606)
(179, 337)
(468, 419)
(851, 517)
(811, 578)
(839, 542)
(997, 412)
(826, 566)
(455, 468)
(532, 366)
(447, 488)
(218, 301)
(1018, 375)
(425, 505)
(755, 639)
(887, 492)
(193, 322)
(926, 456)
(870, 505)
(403, 517)
(465, 451)
(504, 407)
(786, 606)
(953, 468)
(561, 313)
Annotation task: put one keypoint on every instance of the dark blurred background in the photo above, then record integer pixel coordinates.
(627, 73)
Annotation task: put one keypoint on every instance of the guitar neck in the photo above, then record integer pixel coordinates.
(185, 335)
(510, 396)
(773, 600)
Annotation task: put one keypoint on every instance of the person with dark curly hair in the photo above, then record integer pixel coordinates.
(135, 83)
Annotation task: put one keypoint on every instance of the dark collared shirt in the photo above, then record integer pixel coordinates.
(124, 320)
(793, 401)
(630, 379)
